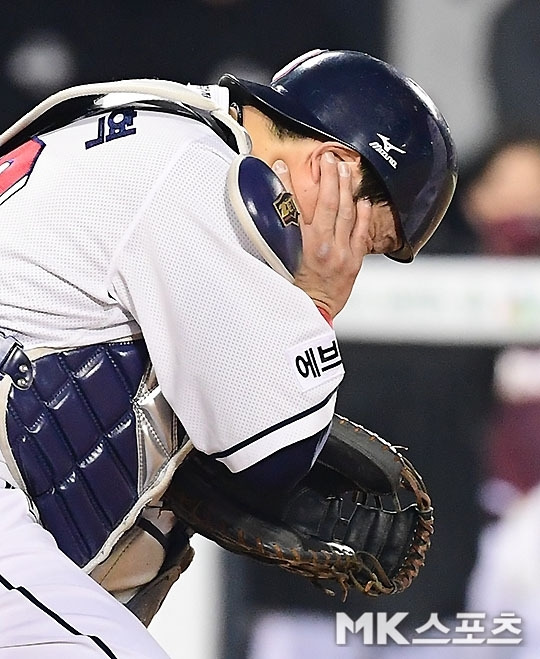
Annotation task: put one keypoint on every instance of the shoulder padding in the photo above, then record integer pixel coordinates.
(76, 102)
(268, 213)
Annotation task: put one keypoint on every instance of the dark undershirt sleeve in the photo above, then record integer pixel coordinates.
(282, 470)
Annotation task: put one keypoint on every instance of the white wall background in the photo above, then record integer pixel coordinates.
(442, 45)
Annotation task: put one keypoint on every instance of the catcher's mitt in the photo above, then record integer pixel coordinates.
(345, 523)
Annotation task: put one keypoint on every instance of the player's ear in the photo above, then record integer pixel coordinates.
(339, 151)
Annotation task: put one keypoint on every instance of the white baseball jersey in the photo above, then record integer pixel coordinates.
(120, 224)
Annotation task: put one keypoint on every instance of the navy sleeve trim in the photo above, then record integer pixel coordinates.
(250, 440)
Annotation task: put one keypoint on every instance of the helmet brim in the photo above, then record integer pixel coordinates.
(275, 100)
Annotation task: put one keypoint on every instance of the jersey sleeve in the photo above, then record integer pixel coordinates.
(244, 357)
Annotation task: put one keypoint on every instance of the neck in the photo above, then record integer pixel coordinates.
(266, 145)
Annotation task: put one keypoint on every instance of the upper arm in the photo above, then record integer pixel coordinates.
(243, 356)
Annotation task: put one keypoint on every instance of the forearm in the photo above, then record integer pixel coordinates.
(267, 482)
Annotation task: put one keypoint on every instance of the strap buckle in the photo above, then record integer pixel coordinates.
(15, 363)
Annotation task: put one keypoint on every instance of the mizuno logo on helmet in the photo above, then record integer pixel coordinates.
(387, 145)
(384, 149)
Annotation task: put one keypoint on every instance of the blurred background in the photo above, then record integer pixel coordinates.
(442, 356)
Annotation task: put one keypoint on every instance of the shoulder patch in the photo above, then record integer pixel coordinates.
(316, 361)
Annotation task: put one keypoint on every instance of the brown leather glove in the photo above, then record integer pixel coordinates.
(362, 517)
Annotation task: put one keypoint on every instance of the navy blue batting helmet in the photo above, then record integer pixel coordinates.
(369, 106)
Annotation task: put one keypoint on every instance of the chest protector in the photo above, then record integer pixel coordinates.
(86, 432)
(91, 441)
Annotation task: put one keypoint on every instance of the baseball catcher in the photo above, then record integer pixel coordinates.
(168, 361)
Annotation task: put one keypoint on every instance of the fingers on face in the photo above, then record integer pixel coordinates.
(346, 216)
(328, 199)
(361, 239)
(353, 221)
(283, 173)
(337, 218)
